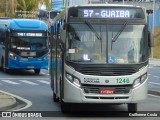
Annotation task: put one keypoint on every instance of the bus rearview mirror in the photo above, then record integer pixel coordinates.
(150, 39)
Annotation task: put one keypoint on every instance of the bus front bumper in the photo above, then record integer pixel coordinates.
(74, 94)
(14, 64)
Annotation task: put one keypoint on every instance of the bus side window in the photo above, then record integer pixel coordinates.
(64, 24)
(2, 36)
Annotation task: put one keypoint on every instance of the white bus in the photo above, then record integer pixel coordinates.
(100, 55)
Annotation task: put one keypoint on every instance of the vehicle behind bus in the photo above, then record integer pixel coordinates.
(47, 16)
(23, 45)
(100, 53)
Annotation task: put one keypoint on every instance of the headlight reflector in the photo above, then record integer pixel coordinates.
(69, 77)
(76, 82)
(73, 79)
(11, 55)
(140, 80)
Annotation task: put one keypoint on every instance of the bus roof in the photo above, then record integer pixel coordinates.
(25, 24)
(107, 5)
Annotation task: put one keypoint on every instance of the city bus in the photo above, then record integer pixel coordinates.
(100, 55)
(47, 16)
(23, 45)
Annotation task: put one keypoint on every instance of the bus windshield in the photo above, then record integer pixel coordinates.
(29, 43)
(84, 46)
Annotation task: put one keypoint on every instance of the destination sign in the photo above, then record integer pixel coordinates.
(126, 13)
(107, 13)
(30, 34)
(24, 34)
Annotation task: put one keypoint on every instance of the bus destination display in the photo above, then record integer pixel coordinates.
(21, 34)
(110, 13)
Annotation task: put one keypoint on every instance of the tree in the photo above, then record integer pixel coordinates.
(31, 5)
(11, 6)
(27, 5)
(2, 8)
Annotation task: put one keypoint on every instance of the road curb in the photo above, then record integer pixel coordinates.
(152, 92)
(7, 102)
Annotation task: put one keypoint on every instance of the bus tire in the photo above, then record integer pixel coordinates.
(64, 107)
(37, 71)
(132, 107)
(55, 98)
(3, 67)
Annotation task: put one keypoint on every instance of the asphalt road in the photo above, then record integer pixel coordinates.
(36, 88)
(154, 77)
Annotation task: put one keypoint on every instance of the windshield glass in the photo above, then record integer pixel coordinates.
(29, 43)
(84, 46)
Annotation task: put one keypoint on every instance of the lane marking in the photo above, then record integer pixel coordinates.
(28, 82)
(44, 73)
(154, 83)
(29, 103)
(150, 67)
(154, 95)
(10, 82)
(156, 76)
(42, 81)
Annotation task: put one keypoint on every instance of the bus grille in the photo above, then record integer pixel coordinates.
(94, 89)
(107, 98)
(107, 71)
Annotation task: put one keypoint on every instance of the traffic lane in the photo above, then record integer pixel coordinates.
(41, 98)
(23, 73)
(150, 104)
(154, 78)
(154, 86)
(39, 94)
(155, 73)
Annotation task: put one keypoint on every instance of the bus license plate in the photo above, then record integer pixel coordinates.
(106, 91)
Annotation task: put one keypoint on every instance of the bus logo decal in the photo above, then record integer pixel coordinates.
(106, 81)
(91, 80)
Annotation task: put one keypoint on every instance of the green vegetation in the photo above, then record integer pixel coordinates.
(9, 8)
(156, 49)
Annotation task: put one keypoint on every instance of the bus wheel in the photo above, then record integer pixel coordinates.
(55, 98)
(3, 67)
(37, 71)
(132, 107)
(64, 107)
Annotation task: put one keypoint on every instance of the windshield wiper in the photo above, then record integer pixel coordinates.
(81, 60)
(118, 34)
(91, 27)
(95, 32)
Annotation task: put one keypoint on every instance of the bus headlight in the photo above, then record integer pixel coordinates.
(73, 79)
(69, 77)
(76, 81)
(11, 55)
(140, 80)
